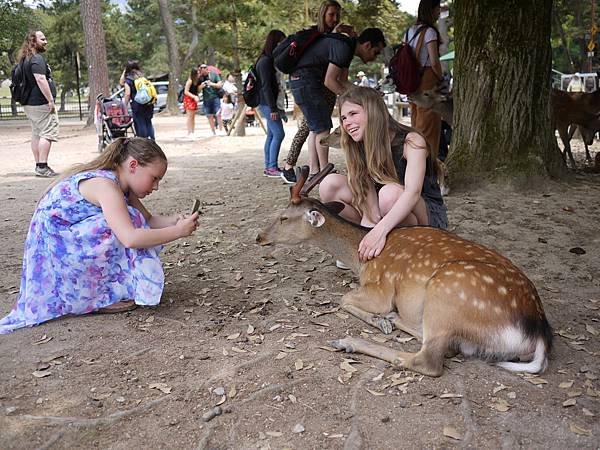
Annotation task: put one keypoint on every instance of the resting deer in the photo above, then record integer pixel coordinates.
(452, 294)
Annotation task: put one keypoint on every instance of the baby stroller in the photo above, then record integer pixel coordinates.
(112, 121)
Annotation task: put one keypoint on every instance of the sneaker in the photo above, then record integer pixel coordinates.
(288, 176)
(340, 265)
(45, 172)
(272, 173)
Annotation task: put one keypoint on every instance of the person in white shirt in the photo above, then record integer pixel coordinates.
(227, 110)
(575, 85)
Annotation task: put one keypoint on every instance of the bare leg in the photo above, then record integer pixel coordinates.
(43, 150)
(322, 150)
(35, 142)
(313, 159)
(191, 116)
(211, 122)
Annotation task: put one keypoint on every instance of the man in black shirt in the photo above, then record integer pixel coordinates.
(39, 100)
(326, 63)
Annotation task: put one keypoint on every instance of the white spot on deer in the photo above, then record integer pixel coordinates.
(447, 290)
(469, 267)
(497, 310)
(393, 254)
(462, 295)
(481, 305)
(488, 279)
(426, 263)
(461, 275)
(469, 253)
(513, 303)
(502, 290)
(449, 272)
(473, 282)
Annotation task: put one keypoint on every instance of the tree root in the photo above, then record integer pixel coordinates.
(355, 439)
(99, 421)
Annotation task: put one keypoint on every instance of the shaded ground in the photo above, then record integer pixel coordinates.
(246, 327)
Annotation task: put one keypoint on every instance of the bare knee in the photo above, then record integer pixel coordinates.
(332, 186)
(388, 195)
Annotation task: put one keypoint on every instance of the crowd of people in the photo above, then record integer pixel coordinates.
(93, 246)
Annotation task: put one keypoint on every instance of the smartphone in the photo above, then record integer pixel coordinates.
(196, 206)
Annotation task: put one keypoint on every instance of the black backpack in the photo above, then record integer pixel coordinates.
(19, 90)
(251, 90)
(289, 51)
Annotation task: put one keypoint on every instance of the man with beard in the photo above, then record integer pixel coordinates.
(39, 100)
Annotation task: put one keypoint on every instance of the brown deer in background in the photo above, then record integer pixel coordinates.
(452, 294)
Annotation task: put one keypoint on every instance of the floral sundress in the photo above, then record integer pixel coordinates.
(74, 264)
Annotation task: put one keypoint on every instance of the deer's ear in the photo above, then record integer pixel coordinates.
(315, 218)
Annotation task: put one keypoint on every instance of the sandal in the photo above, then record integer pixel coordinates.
(119, 307)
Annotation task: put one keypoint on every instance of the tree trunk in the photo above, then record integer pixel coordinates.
(95, 51)
(240, 129)
(502, 120)
(173, 52)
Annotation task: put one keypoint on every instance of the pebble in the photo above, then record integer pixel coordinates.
(219, 391)
(298, 428)
(211, 414)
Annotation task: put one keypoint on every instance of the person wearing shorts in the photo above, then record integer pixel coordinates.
(190, 101)
(38, 102)
(210, 85)
(323, 65)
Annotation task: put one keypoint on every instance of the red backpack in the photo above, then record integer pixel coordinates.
(404, 67)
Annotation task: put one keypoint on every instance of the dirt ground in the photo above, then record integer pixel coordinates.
(246, 328)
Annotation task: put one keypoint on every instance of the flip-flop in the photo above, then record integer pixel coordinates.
(122, 306)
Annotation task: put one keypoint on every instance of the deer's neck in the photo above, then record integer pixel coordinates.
(341, 240)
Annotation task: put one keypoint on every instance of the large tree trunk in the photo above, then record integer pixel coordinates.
(502, 93)
(95, 52)
(173, 52)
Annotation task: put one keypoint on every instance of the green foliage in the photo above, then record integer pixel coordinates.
(15, 20)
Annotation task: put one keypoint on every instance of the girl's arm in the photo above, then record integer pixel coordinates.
(415, 152)
(106, 194)
(154, 221)
(127, 95)
(434, 57)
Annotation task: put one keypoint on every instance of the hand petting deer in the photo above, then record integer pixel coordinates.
(451, 294)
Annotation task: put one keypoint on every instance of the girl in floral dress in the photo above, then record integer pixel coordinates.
(92, 245)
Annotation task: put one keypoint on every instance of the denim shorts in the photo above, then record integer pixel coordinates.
(212, 106)
(310, 98)
(436, 213)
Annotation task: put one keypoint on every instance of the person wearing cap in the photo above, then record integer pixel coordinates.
(362, 79)
(575, 85)
(210, 83)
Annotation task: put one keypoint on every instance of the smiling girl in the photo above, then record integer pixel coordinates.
(391, 179)
(92, 245)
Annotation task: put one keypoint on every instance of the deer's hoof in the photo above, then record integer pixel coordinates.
(385, 325)
(342, 344)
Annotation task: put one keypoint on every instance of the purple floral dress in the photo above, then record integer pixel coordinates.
(73, 262)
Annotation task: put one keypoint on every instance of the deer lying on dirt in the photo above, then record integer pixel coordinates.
(451, 294)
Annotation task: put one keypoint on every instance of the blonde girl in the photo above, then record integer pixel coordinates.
(391, 178)
(92, 245)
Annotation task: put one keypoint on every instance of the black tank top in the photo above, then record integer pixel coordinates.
(431, 187)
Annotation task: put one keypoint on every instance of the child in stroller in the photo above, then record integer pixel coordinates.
(112, 120)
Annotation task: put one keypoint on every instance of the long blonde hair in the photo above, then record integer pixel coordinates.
(369, 160)
(321, 14)
(145, 151)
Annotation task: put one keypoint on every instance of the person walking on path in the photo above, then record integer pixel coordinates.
(38, 103)
(328, 21)
(210, 83)
(190, 101)
(391, 178)
(272, 98)
(142, 114)
(575, 84)
(326, 63)
(92, 245)
(424, 39)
